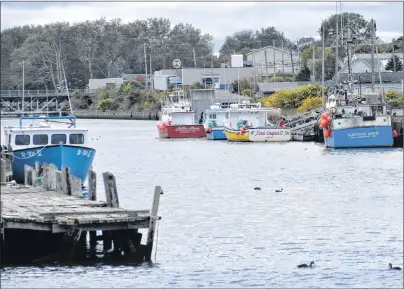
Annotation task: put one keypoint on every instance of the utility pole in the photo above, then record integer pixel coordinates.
(394, 58)
(283, 66)
(145, 64)
(255, 71)
(193, 50)
(373, 53)
(273, 44)
(313, 64)
(336, 47)
(266, 65)
(151, 75)
(291, 59)
(322, 68)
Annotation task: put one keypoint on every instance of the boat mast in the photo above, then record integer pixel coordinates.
(67, 89)
(373, 52)
(23, 85)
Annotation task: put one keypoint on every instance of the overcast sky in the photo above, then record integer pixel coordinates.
(219, 19)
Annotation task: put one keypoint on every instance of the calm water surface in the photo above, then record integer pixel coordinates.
(342, 209)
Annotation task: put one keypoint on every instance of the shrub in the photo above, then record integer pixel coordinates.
(310, 103)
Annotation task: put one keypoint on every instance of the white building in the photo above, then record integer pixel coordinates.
(362, 62)
(280, 60)
(94, 84)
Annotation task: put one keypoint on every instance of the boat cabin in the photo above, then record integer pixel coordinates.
(214, 117)
(38, 137)
(250, 117)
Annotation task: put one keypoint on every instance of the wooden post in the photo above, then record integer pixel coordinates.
(76, 186)
(92, 185)
(92, 195)
(38, 181)
(3, 172)
(111, 196)
(52, 168)
(111, 193)
(28, 181)
(45, 180)
(66, 181)
(152, 224)
(58, 179)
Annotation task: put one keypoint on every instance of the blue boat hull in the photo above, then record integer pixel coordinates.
(361, 137)
(217, 134)
(78, 159)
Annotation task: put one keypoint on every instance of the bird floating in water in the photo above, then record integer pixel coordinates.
(257, 188)
(305, 265)
(279, 191)
(394, 268)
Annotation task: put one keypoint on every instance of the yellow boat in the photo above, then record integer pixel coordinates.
(235, 135)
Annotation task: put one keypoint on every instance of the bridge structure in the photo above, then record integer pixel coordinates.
(35, 102)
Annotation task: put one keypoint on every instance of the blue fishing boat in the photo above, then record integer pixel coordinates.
(356, 121)
(353, 123)
(213, 121)
(43, 142)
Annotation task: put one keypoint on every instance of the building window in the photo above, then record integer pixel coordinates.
(77, 138)
(40, 139)
(58, 138)
(22, 140)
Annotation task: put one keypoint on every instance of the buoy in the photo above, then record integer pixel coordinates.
(329, 118)
(327, 133)
(395, 134)
(324, 122)
(324, 115)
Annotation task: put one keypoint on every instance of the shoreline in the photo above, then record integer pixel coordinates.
(106, 115)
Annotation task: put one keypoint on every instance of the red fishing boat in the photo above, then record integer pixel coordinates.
(177, 120)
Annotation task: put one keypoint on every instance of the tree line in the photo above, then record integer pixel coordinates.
(61, 51)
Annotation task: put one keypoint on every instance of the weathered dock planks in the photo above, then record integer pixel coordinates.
(48, 220)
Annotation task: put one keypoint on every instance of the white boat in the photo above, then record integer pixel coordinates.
(249, 123)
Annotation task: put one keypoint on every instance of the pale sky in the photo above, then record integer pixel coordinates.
(220, 19)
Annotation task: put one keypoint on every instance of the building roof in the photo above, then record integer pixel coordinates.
(272, 47)
(380, 56)
(368, 63)
(224, 95)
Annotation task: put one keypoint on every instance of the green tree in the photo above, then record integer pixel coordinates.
(304, 74)
(398, 64)
(244, 41)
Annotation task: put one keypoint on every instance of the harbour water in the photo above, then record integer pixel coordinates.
(342, 209)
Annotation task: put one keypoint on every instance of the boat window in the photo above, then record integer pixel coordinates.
(40, 139)
(58, 138)
(212, 116)
(22, 139)
(76, 138)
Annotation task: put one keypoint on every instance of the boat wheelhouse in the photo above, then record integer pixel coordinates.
(214, 121)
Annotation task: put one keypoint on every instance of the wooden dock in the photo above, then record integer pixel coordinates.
(49, 222)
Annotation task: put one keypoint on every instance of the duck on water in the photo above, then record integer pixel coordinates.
(305, 265)
(394, 268)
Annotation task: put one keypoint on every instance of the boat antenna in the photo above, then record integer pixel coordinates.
(67, 88)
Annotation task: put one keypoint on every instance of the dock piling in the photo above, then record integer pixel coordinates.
(92, 195)
(153, 220)
(66, 181)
